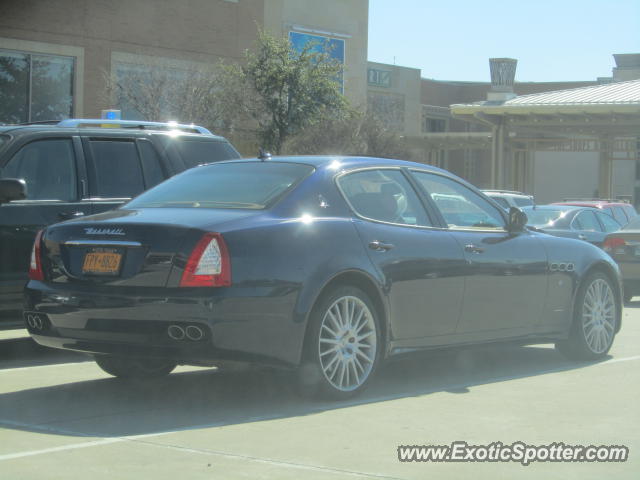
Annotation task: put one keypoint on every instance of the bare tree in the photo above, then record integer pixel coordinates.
(349, 133)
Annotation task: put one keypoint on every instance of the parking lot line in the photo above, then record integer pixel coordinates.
(200, 451)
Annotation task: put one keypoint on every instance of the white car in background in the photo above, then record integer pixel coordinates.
(507, 199)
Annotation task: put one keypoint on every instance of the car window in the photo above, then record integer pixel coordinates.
(384, 195)
(151, 164)
(115, 170)
(543, 217)
(630, 211)
(502, 202)
(608, 222)
(523, 201)
(48, 167)
(586, 221)
(246, 185)
(619, 215)
(460, 206)
(197, 152)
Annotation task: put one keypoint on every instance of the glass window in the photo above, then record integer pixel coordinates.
(115, 169)
(197, 152)
(379, 78)
(541, 217)
(383, 195)
(434, 124)
(35, 87)
(252, 185)
(47, 167)
(630, 211)
(610, 225)
(151, 164)
(52, 87)
(14, 87)
(634, 224)
(502, 202)
(523, 201)
(586, 221)
(460, 206)
(619, 215)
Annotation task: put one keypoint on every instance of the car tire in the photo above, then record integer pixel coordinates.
(134, 368)
(595, 319)
(342, 347)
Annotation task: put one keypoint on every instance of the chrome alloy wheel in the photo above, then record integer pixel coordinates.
(599, 316)
(347, 343)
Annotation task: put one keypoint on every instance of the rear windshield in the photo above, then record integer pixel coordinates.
(543, 217)
(251, 185)
(634, 224)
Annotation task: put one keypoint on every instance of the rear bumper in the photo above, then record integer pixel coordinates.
(240, 324)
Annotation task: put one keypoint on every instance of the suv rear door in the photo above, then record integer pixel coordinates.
(120, 168)
(54, 172)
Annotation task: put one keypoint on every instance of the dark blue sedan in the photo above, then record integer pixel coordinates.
(327, 265)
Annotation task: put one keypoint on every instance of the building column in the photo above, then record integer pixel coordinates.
(606, 168)
(497, 157)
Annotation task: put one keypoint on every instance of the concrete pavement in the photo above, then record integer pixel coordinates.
(62, 417)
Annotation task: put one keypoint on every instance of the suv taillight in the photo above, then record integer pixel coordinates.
(208, 264)
(614, 244)
(35, 267)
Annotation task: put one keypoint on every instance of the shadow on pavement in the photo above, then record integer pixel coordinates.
(22, 351)
(108, 407)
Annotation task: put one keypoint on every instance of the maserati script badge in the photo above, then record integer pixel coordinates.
(104, 231)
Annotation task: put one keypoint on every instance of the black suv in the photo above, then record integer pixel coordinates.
(81, 167)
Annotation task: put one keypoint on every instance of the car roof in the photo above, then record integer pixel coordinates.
(557, 207)
(594, 203)
(506, 193)
(342, 162)
(18, 130)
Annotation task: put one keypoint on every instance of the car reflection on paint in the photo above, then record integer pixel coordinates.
(589, 224)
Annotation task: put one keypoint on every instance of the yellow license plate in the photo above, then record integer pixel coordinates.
(102, 263)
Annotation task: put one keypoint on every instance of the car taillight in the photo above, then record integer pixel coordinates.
(615, 245)
(208, 264)
(35, 267)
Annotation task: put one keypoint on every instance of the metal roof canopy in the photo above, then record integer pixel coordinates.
(600, 118)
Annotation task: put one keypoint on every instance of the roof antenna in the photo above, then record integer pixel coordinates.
(264, 155)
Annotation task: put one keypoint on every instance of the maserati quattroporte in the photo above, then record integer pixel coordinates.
(325, 265)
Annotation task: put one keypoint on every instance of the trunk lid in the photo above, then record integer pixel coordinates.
(129, 248)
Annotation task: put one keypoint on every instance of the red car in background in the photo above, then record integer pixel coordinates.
(623, 212)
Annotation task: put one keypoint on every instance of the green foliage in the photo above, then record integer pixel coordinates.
(286, 91)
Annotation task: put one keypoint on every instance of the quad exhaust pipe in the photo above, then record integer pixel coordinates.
(190, 332)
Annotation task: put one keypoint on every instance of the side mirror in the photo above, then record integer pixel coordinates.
(12, 189)
(517, 220)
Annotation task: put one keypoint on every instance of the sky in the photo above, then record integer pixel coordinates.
(559, 40)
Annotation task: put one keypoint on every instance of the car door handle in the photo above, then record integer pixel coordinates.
(473, 249)
(582, 237)
(380, 246)
(69, 215)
